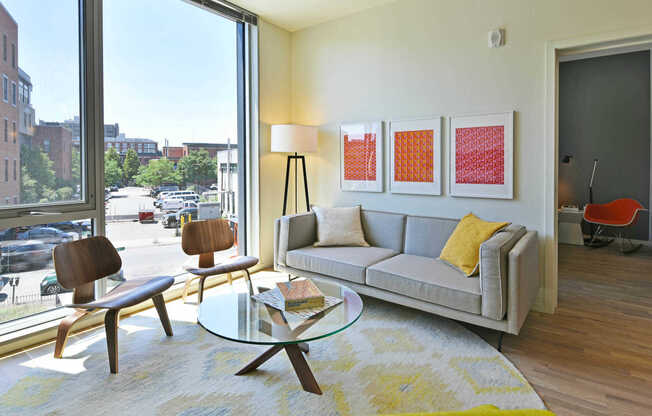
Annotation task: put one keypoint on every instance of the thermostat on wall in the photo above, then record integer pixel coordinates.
(496, 38)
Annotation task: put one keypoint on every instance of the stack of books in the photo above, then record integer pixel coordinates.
(300, 294)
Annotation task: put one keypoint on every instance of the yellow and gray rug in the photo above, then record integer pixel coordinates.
(392, 360)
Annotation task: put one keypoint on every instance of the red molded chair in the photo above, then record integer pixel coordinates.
(620, 213)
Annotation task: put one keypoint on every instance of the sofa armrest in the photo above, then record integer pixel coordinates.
(494, 270)
(524, 282)
(294, 231)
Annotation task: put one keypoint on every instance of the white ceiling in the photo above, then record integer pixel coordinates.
(295, 15)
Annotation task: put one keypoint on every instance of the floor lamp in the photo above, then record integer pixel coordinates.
(293, 138)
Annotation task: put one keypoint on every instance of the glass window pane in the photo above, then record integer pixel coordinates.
(41, 56)
(28, 282)
(161, 146)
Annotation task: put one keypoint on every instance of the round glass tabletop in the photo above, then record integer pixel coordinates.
(238, 317)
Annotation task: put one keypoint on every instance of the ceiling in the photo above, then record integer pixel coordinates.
(293, 15)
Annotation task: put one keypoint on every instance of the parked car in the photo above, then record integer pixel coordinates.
(67, 226)
(169, 220)
(163, 188)
(48, 235)
(114, 188)
(23, 255)
(50, 285)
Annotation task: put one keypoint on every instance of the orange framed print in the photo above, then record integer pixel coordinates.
(482, 156)
(361, 157)
(416, 156)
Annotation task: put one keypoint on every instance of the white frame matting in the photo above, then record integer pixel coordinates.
(362, 128)
(419, 188)
(504, 191)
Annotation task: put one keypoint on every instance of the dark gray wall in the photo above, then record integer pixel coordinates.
(604, 113)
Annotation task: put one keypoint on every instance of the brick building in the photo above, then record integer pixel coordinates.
(56, 141)
(173, 153)
(9, 143)
(147, 149)
(211, 148)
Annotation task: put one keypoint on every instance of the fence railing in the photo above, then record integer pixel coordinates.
(31, 298)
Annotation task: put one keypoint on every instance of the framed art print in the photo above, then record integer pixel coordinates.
(482, 156)
(361, 157)
(415, 160)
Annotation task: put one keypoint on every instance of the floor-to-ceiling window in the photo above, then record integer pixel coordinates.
(89, 142)
(46, 176)
(170, 100)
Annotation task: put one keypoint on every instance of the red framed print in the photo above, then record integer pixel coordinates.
(361, 157)
(482, 156)
(416, 156)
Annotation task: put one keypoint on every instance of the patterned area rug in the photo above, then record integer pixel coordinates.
(392, 360)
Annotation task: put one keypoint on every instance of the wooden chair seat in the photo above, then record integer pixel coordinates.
(78, 265)
(233, 264)
(129, 293)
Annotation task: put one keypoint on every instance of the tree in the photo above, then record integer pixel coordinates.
(112, 172)
(197, 167)
(75, 167)
(112, 154)
(130, 166)
(157, 172)
(37, 175)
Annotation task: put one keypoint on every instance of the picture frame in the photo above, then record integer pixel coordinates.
(416, 156)
(481, 157)
(361, 156)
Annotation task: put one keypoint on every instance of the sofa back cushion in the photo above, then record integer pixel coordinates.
(384, 229)
(427, 236)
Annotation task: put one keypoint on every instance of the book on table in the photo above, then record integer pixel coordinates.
(300, 294)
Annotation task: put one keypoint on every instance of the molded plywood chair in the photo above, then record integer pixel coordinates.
(619, 214)
(204, 238)
(78, 265)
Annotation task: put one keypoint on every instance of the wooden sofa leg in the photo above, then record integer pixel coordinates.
(111, 328)
(64, 330)
(159, 302)
(501, 334)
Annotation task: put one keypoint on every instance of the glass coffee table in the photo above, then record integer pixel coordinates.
(239, 318)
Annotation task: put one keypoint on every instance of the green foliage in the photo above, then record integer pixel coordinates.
(157, 172)
(112, 172)
(198, 168)
(131, 165)
(75, 167)
(37, 176)
(112, 154)
(64, 194)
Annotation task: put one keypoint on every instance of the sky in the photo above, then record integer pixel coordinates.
(169, 66)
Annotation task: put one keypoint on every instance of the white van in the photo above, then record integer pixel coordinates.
(172, 204)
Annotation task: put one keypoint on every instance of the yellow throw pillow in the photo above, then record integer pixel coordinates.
(462, 249)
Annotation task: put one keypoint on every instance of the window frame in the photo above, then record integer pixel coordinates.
(91, 116)
(14, 94)
(5, 88)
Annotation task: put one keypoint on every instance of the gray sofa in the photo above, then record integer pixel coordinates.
(402, 266)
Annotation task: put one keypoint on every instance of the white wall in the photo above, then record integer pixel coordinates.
(416, 58)
(274, 91)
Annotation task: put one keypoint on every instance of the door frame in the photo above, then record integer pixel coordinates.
(592, 44)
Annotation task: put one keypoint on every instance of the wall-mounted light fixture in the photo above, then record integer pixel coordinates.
(496, 38)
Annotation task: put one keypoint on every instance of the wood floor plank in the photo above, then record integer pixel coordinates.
(593, 357)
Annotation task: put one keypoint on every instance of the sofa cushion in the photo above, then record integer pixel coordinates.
(384, 229)
(348, 263)
(427, 279)
(426, 236)
(339, 227)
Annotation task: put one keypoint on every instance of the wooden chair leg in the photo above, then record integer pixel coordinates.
(64, 330)
(200, 289)
(159, 302)
(251, 286)
(186, 287)
(111, 328)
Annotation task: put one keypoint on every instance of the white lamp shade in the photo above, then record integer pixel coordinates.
(291, 138)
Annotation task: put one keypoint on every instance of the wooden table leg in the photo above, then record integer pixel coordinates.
(260, 359)
(302, 369)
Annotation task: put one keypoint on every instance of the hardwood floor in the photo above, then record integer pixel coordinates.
(594, 355)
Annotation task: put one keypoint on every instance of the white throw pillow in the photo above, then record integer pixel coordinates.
(339, 227)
